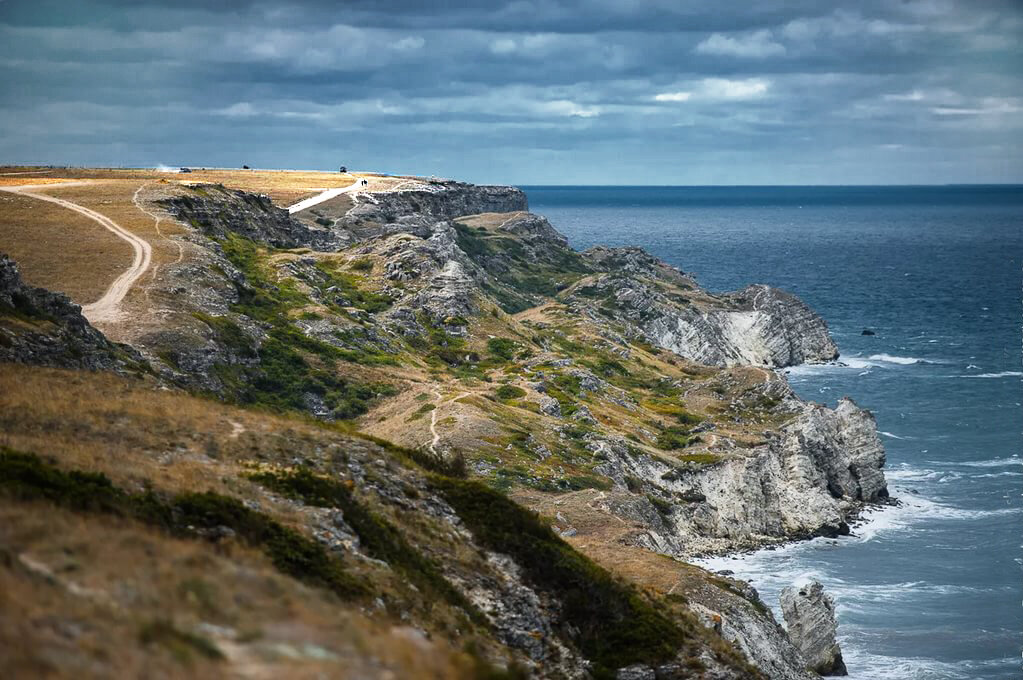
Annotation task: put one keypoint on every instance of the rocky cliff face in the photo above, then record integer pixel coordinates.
(216, 211)
(759, 325)
(811, 478)
(426, 202)
(810, 618)
(42, 328)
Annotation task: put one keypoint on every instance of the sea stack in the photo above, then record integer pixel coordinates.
(810, 619)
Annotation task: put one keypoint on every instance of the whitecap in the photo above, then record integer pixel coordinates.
(994, 462)
(902, 361)
(864, 665)
(1000, 374)
(894, 436)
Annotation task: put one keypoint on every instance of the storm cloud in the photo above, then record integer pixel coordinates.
(527, 91)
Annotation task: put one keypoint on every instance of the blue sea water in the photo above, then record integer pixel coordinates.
(931, 589)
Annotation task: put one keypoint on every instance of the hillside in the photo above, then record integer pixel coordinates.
(413, 405)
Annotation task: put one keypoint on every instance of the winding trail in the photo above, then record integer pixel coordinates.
(433, 416)
(324, 196)
(105, 308)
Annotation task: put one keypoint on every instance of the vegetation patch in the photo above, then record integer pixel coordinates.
(675, 437)
(181, 644)
(502, 348)
(26, 476)
(615, 626)
(509, 392)
(293, 370)
(378, 536)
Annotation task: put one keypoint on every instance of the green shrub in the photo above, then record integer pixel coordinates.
(363, 264)
(502, 348)
(662, 506)
(675, 437)
(508, 392)
(378, 536)
(615, 626)
(28, 477)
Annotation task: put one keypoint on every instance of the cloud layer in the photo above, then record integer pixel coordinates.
(523, 91)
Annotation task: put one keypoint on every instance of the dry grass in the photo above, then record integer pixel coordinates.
(285, 187)
(78, 593)
(59, 249)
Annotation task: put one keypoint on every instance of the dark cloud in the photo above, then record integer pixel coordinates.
(525, 91)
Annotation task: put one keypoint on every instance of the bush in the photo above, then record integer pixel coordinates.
(378, 536)
(507, 392)
(614, 625)
(27, 476)
(502, 348)
(675, 437)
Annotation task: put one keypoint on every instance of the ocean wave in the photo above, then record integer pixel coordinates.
(914, 508)
(864, 665)
(994, 462)
(893, 436)
(1000, 374)
(902, 361)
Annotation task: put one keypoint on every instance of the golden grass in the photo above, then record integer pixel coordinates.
(60, 249)
(285, 187)
(77, 592)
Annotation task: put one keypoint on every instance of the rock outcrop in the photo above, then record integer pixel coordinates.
(217, 211)
(810, 478)
(759, 325)
(430, 202)
(810, 618)
(43, 328)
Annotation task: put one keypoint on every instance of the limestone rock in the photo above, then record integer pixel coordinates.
(758, 325)
(425, 203)
(810, 618)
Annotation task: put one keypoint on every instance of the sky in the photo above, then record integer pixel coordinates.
(523, 91)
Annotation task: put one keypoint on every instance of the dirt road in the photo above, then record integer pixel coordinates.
(106, 308)
(325, 196)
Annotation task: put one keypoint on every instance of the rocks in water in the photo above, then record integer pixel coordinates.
(810, 619)
(42, 328)
(867, 331)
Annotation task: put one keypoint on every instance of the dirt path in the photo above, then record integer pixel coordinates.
(105, 308)
(325, 196)
(433, 417)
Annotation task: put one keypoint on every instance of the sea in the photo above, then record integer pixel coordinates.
(931, 588)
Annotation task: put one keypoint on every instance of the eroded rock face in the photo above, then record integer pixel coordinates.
(810, 618)
(811, 479)
(759, 325)
(43, 328)
(217, 211)
(756, 633)
(428, 202)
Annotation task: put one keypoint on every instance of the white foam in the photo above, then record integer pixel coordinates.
(1000, 374)
(994, 462)
(894, 436)
(864, 665)
(902, 361)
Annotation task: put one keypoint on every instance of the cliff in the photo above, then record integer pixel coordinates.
(42, 328)
(604, 390)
